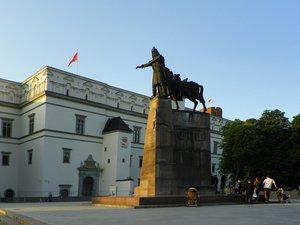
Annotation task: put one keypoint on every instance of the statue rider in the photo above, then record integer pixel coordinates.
(160, 79)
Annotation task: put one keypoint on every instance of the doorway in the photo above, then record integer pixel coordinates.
(87, 186)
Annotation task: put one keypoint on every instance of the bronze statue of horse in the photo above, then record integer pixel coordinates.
(193, 91)
(185, 89)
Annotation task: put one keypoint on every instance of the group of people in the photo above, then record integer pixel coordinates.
(253, 188)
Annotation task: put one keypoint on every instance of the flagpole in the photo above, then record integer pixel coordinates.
(77, 67)
(77, 63)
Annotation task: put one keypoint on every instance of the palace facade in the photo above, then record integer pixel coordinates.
(69, 135)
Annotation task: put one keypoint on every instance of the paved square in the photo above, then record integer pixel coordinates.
(83, 213)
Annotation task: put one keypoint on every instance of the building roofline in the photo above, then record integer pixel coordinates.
(50, 68)
(11, 81)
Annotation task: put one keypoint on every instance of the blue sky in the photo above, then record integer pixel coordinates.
(245, 53)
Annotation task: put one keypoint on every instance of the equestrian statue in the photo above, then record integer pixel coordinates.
(167, 84)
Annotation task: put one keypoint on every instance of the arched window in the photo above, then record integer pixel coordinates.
(64, 193)
(9, 193)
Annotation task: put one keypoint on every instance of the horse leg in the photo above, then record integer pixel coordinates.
(201, 98)
(173, 98)
(203, 103)
(195, 104)
(177, 104)
(205, 109)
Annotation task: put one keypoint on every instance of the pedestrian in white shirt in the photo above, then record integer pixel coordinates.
(267, 184)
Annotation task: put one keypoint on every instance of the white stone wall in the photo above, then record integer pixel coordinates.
(137, 151)
(123, 156)
(9, 174)
(108, 163)
(55, 110)
(58, 173)
(30, 176)
(216, 124)
(54, 129)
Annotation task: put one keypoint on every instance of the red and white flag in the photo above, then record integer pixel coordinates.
(75, 58)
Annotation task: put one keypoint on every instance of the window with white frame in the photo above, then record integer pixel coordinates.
(213, 167)
(6, 127)
(66, 155)
(216, 146)
(130, 161)
(30, 156)
(140, 161)
(136, 134)
(80, 122)
(5, 158)
(31, 123)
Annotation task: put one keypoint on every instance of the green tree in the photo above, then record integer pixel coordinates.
(273, 120)
(238, 155)
(296, 123)
(293, 159)
(264, 146)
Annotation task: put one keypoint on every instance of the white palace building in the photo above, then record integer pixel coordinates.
(69, 135)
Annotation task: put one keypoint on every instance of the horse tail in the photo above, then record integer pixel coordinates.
(201, 97)
(201, 89)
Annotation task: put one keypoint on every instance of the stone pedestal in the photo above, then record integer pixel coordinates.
(192, 151)
(176, 152)
(158, 174)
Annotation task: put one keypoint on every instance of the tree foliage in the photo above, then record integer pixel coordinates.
(269, 145)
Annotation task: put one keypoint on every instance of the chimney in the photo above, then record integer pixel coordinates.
(214, 111)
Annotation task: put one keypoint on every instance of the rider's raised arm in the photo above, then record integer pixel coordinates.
(154, 60)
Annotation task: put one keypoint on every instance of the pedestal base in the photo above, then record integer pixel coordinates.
(164, 201)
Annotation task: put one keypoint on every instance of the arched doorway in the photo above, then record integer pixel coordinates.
(64, 193)
(89, 173)
(87, 186)
(9, 193)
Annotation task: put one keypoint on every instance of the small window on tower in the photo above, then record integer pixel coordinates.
(66, 155)
(30, 156)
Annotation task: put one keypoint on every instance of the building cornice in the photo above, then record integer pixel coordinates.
(95, 104)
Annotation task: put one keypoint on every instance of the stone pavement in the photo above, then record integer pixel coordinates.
(83, 213)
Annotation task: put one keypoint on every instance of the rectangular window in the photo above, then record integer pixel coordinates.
(66, 155)
(216, 146)
(31, 123)
(80, 124)
(136, 134)
(6, 128)
(141, 162)
(130, 161)
(213, 167)
(29, 156)
(5, 158)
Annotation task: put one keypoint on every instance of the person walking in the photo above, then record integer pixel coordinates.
(256, 185)
(267, 184)
(50, 197)
(249, 191)
(237, 187)
(223, 182)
